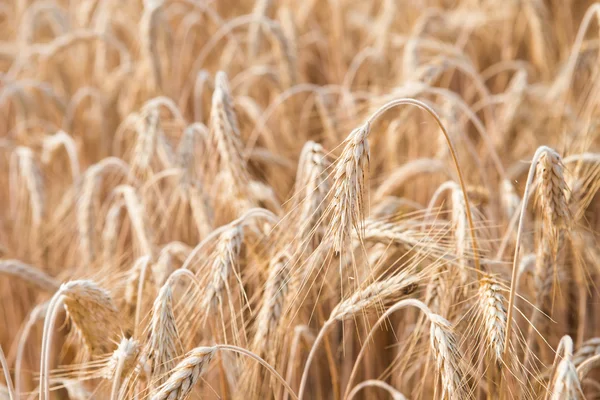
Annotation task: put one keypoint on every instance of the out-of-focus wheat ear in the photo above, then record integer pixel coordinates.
(225, 133)
(23, 166)
(9, 385)
(348, 202)
(122, 361)
(148, 131)
(261, 7)
(137, 215)
(286, 57)
(53, 143)
(29, 274)
(493, 312)
(588, 349)
(183, 377)
(148, 35)
(94, 317)
(164, 344)
(88, 204)
(509, 198)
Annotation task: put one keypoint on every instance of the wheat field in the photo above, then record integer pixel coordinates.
(299, 199)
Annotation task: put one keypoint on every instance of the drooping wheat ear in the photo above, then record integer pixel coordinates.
(493, 311)
(261, 7)
(184, 376)
(94, 317)
(123, 360)
(148, 128)
(286, 57)
(88, 203)
(447, 358)
(552, 190)
(53, 143)
(93, 313)
(269, 315)
(29, 274)
(164, 343)
(565, 383)
(312, 185)
(226, 256)
(225, 132)
(347, 205)
(380, 292)
(186, 155)
(588, 349)
(138, 217)
(148, 22)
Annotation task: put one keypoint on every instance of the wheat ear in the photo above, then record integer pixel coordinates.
(29, 274)
(548, 203)
(9, 385)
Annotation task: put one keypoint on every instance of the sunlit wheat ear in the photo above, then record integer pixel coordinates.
(94, 317)
(184, 375)
(122, 362)
(546, 166)
(552, 190)
(447, 358)
(218, 293)
(565, 382)
(376, 293)
(493, 312)
(225, 133)
(29, 274)
(348, 202)
(164, 344)
(272, 308)
(311, 188)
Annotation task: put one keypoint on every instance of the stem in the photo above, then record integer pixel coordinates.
(261, 361)
(36, 313)
(138, 306)
(114, 394)
(513, 281)
(396, 395)
(391, 310)
(430, 110)
(331, 361)
(313, 351)
(49, 322)
(9, 385)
